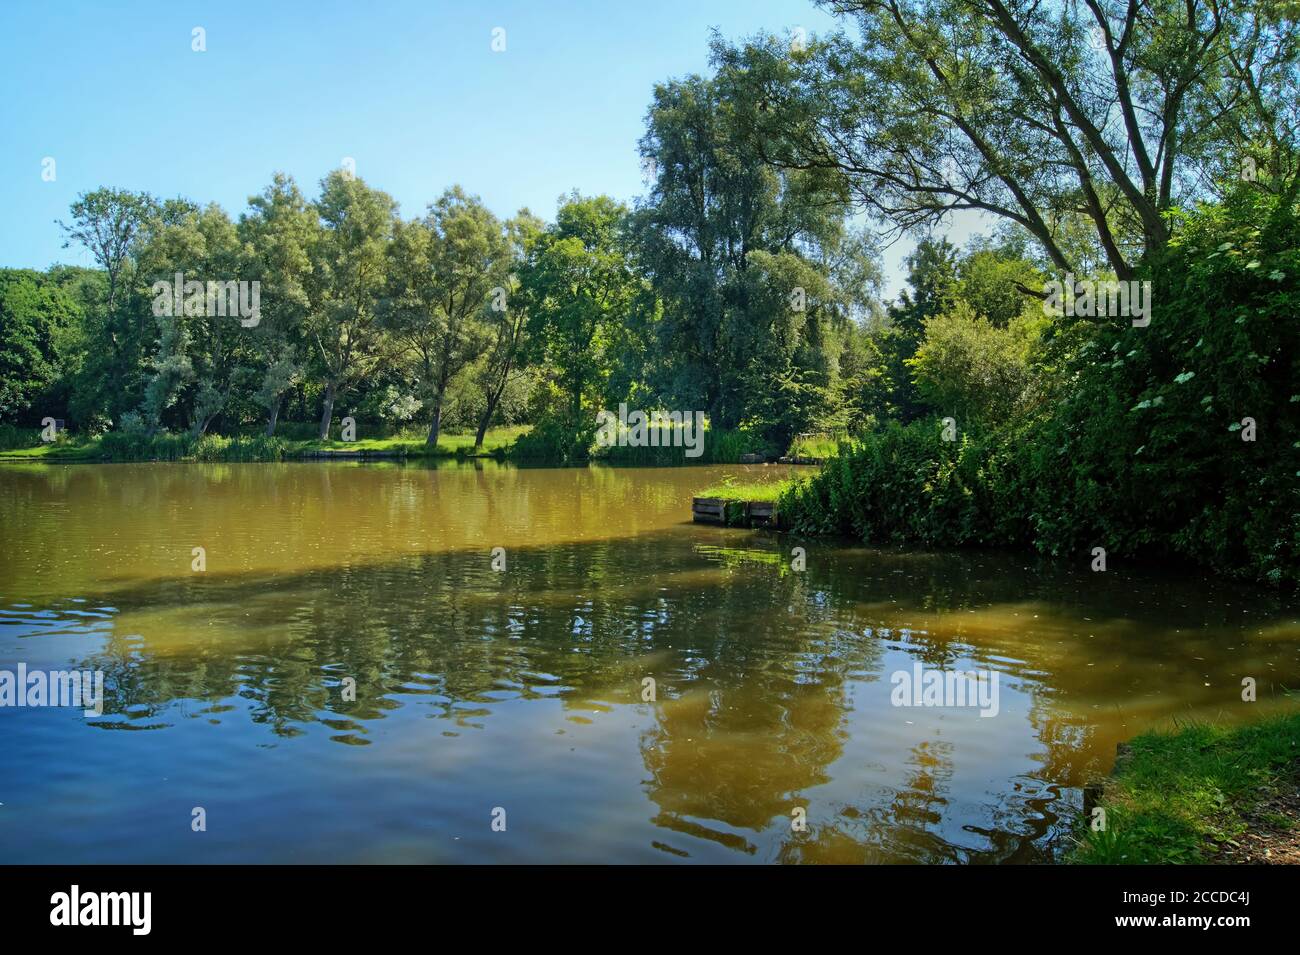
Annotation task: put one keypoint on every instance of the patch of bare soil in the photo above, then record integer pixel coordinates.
(1273, 831)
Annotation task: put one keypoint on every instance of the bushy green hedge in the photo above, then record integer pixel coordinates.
(555, 442)
(12, 437)
(906, 484)
(717, 447)
(1139, 447)
(136, 446)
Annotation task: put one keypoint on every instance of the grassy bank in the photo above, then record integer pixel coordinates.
(1202, 794)
(745, 491)
(818, 446)
(117, 446)
(716, 447)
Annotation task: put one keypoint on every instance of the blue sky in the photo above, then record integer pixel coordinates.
(412, 91)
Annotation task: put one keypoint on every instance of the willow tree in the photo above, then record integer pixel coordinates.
(278, 230)
(444, 272)
(111, 225)
(715, 211)
(200, 356)
(349, 261)
(1036, 112)
(506, 356)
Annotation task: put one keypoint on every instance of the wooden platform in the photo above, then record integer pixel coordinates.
(761, 513)
(365, 455)
(729, 513)
(709, 510)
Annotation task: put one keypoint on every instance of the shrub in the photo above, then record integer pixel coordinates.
(1139, 449)
(555, 441)
(970, 368)
(905, 483)
(718, 447)
(12, 437)
(140, 446)
(214, 447)
(1145, 452)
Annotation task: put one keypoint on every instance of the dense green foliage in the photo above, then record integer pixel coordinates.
(455, 319)
(1121, 437)
(38, 319)
(1146, 449)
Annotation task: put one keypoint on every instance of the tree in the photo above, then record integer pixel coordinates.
(1118, 110)
(200, 354)
(36, 316)
(110, 224)
(349, 260)
(442, 270)
(998, 280)
(787, 362)
(932, 276)
(714, 205)
(507, 354)
(580, 286)
(968, 367)
(933, 285)
(279, 230)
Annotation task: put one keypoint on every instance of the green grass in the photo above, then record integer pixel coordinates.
(1182, 793)
(116, 446)
(731, 490)
(79, 449)
(815, 446)
(449, 445)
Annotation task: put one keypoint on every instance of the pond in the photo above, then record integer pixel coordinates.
(349, 670)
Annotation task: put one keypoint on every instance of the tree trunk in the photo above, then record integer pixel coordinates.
(201, 427)
(274, 416)
(327, 415)
(575, 400)
(432, 440)
(493, 401)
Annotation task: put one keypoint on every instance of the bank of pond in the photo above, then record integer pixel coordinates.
(1202, 793)
(502, 443)
(119, 447)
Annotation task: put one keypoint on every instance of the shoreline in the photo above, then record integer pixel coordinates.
(1199, 794)
(499, 444)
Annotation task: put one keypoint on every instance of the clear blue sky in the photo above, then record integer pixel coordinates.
(412, 91)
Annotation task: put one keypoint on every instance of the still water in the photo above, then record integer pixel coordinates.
(517, 694)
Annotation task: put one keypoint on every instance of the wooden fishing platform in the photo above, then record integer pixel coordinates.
(365, 455)
(731, 513)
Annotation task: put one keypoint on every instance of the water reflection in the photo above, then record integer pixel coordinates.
(523, 689)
